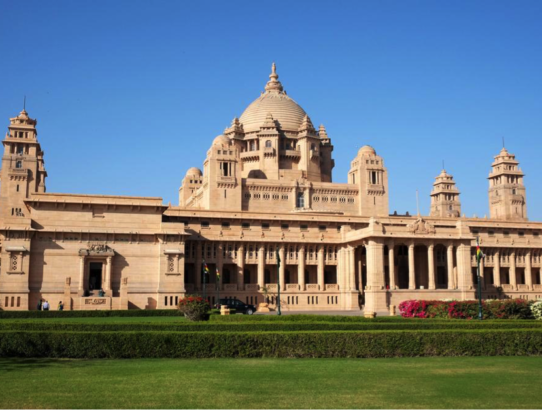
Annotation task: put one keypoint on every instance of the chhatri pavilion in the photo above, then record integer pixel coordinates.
(264, 189)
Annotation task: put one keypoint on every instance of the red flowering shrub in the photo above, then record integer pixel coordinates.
(194, 308)
(466, 309)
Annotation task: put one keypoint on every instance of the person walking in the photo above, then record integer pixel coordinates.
(39, 304)
(60, 305)
(46, 305)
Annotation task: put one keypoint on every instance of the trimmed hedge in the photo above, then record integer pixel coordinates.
(40, 325)
(271, 344)
(34, 314)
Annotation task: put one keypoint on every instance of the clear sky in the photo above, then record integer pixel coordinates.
(130, 94)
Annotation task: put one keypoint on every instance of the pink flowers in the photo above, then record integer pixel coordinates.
(467, 309)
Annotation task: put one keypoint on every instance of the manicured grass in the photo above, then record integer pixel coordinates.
(460, 382)
(103, 320)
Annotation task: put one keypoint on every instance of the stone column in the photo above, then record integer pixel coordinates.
(261, 266)
(81, 290)
(391, 265)
(513, 281)
(320, 269)
(241, 267)
(497, 269)
(375, 295)
(464, 271)
(450, 268)
(108, 274)
(431, 265)
(482, 278)
(176, 261)
(352, 273)
(197, 266)
(282, 268)
(411, 267)
(301, 268)
(220, 264)
(528, 271)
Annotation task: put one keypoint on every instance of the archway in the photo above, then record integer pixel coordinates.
(401, 263)
(421, 264)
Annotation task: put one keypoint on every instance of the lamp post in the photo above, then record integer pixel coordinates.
(217, 286)
(479, 256)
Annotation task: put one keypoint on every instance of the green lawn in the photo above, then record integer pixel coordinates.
(458, 382)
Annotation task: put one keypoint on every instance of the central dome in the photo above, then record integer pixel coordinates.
(274, 101)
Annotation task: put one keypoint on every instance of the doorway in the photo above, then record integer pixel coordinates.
(95, 276)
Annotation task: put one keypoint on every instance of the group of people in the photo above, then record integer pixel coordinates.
(44, 305)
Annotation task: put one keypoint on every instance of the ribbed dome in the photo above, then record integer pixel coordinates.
(221, 140)
(274, 101)
(366, 150)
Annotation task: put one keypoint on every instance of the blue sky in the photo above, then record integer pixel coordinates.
(130, 94)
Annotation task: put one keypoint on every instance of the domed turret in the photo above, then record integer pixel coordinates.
(221, 140)
(366, 150)
(194, 172)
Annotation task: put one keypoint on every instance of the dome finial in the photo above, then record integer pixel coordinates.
(274, 84)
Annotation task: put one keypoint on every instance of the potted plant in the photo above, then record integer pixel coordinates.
(194, 308)
(264, 307)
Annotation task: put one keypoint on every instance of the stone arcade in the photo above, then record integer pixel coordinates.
(266, 185)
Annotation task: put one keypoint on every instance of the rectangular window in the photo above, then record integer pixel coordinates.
(245, 225)
(225, 224)
(491, 233)
(284, 227)
(265, 226)
(535, 234)
(521, 233)
(475, 231)
(304, 227)
(506, 233)
(204, 224)
(322, 228)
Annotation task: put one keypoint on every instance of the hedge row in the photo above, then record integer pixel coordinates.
(90, 345)
(467, 309)
(40, 325)
(34, 314)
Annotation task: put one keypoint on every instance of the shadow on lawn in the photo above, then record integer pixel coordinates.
(29, 364)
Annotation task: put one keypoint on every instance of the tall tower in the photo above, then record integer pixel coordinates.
(445, 197)
(507, 198)
(368, 172)
(23, 171)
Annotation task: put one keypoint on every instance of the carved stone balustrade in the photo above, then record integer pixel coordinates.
(312, 286)
(292, 286)
(254, 287)
(230, 287)
(332, 286)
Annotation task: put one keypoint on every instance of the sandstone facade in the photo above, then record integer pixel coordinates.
(266, 189)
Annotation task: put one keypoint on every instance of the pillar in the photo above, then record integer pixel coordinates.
(497, 269)
(528, 271)
(391, 265)
(320, 269)
(450, 263)
(241, 267)
(261, 266)
(81, 290)
(282, 268)
(108, 274)
(482, 278)
(375, 294)
(411, 268)
(431, 265)
(464, 271)
(197, 266)
(220, 264)
(352, 273)
(513, 281)
(301, 268)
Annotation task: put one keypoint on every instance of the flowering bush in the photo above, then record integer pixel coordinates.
(194, 308)
(468, 309)
(536, 308)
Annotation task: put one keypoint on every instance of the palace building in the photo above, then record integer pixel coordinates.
(265, 189)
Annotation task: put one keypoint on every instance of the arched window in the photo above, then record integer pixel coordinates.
(300, 200)
(268, 144)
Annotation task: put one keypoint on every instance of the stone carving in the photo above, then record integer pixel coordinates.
(421, 227)
(98, 248)
(95, 301)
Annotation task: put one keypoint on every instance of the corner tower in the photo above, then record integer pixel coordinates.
(367, 171)
(445, 197)
(507, 198)
(23, 171)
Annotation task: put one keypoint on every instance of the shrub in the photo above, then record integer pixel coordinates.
(194, 308)
(467, 309)
(271, 344)
(536, 308)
